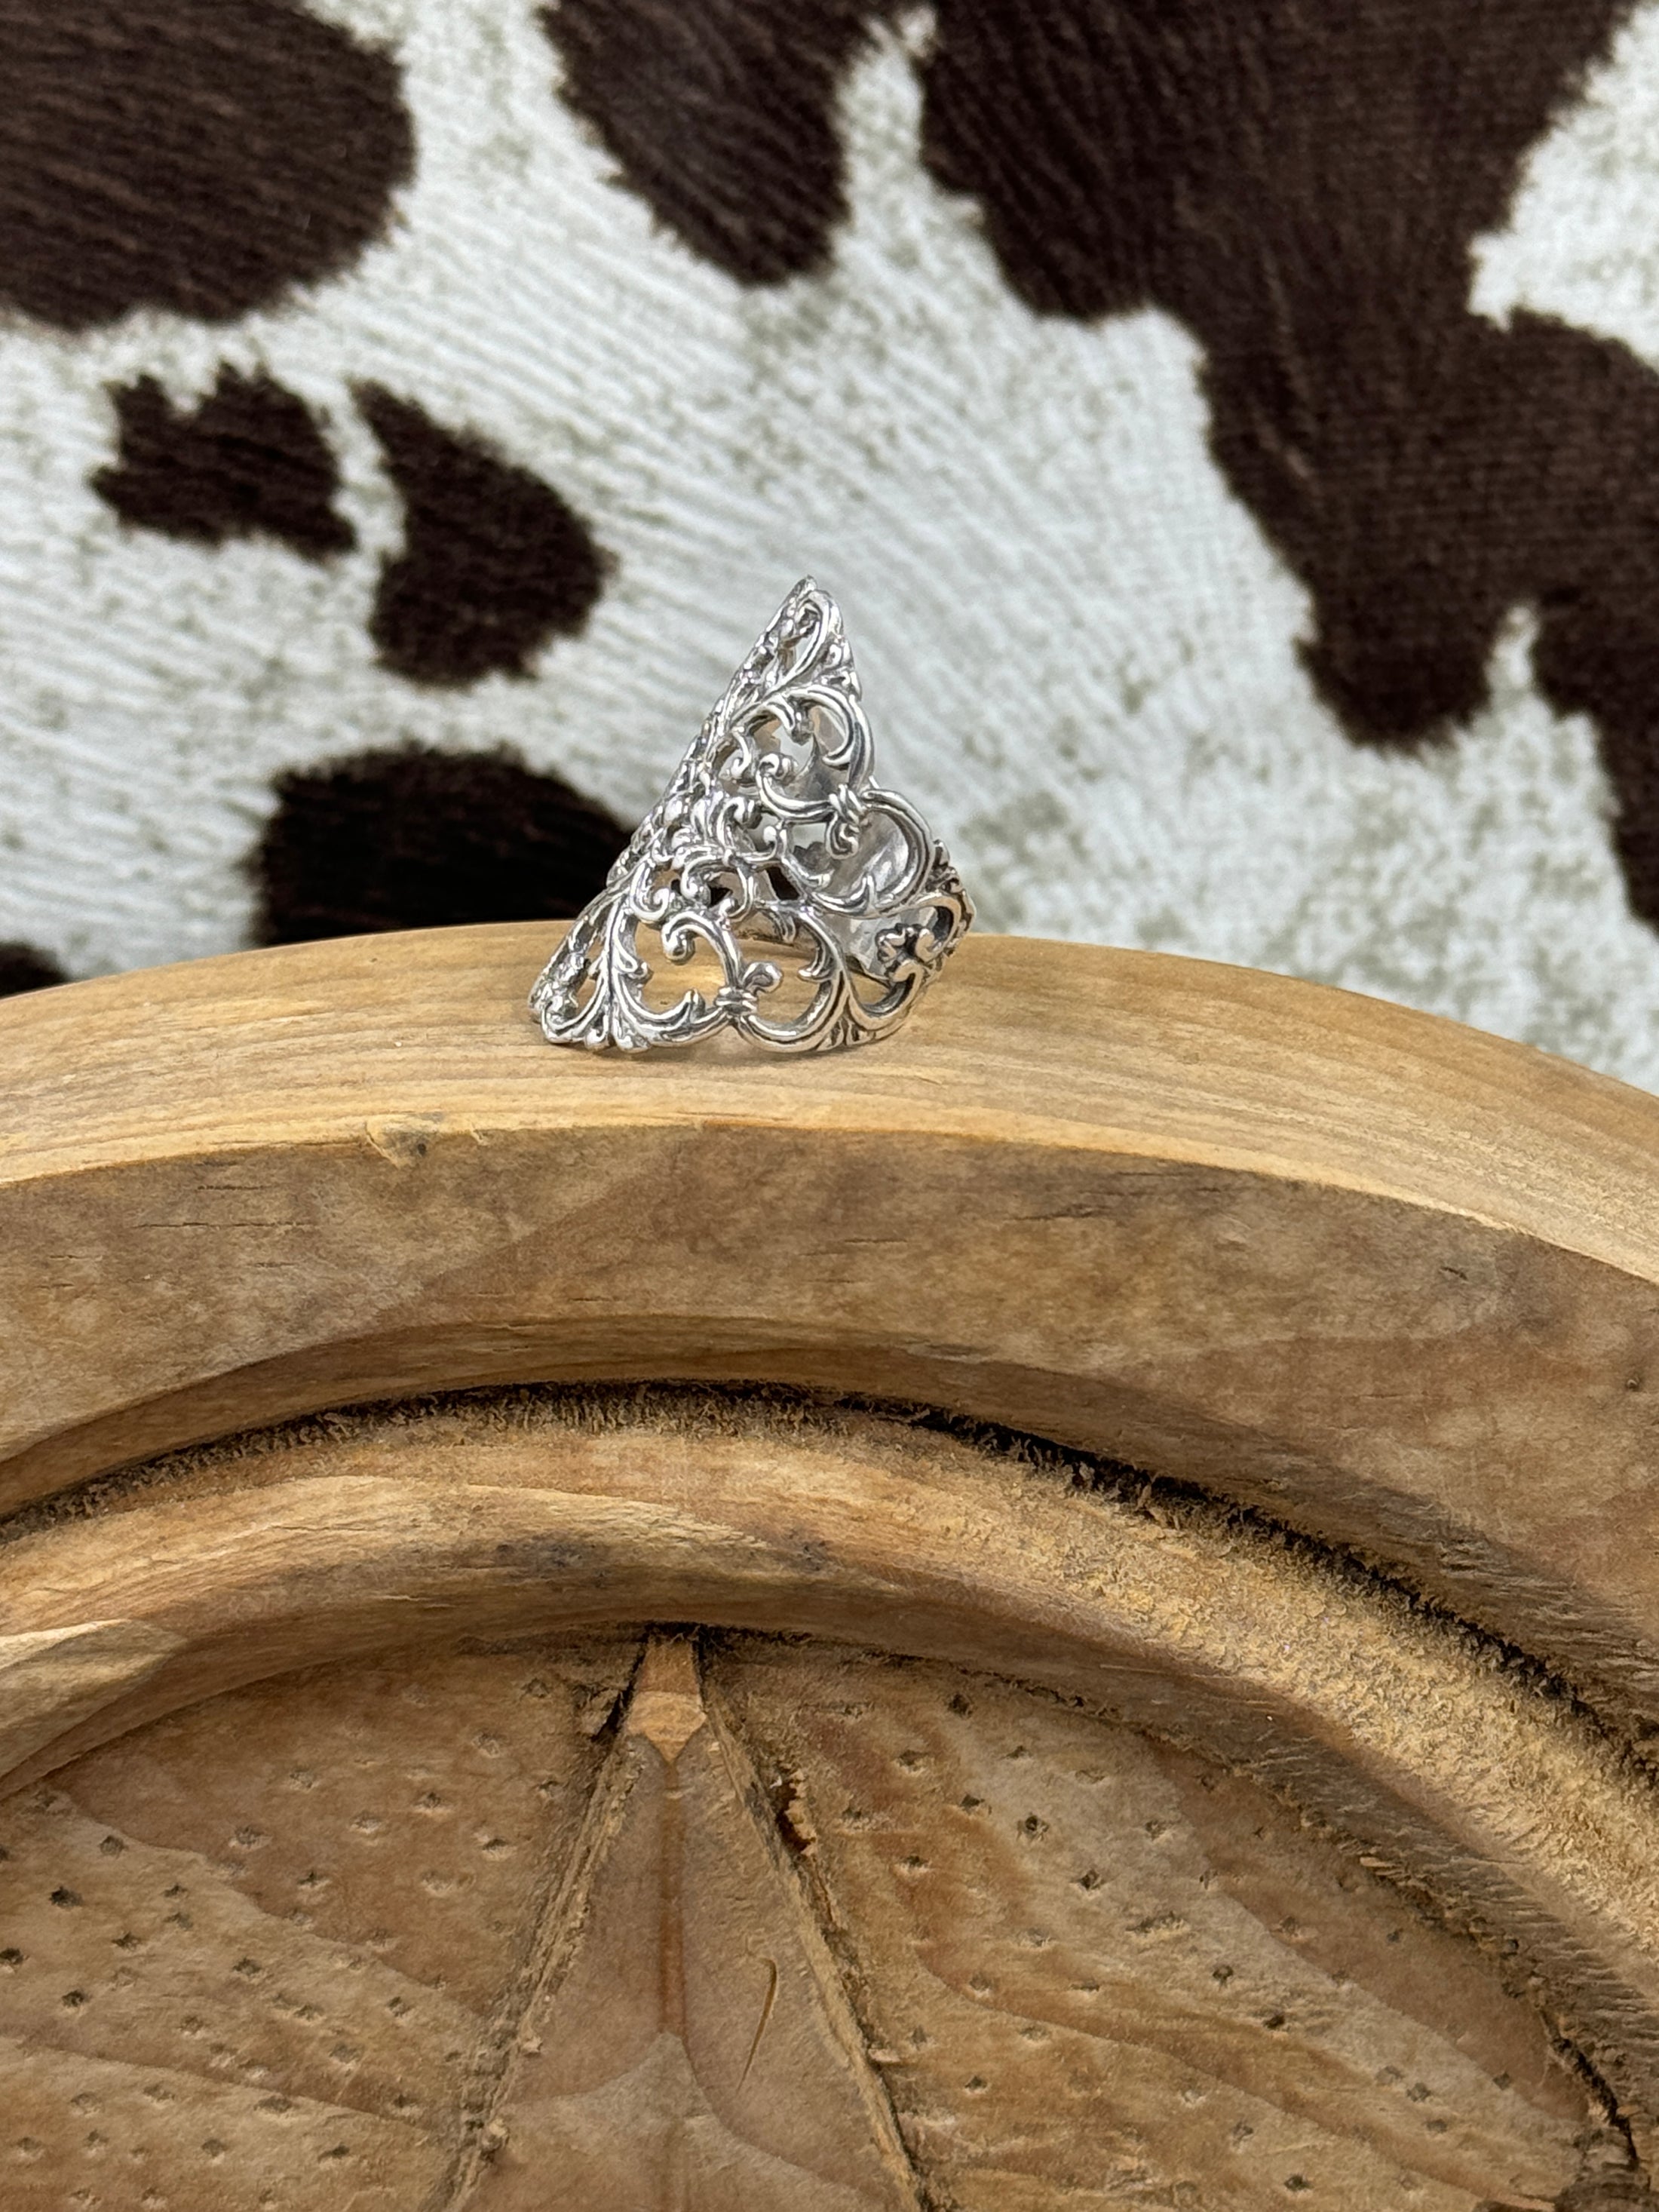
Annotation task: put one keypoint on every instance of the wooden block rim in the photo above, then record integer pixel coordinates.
(1068, 1045)
(1393, 1281)
(1503, 1805)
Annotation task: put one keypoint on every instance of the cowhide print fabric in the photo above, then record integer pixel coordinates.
(1232, 427)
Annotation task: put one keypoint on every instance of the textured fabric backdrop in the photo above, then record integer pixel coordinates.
(1232, 427)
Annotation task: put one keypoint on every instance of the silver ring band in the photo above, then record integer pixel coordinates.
(772, 833)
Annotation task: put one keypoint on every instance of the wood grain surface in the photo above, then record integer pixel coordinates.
(1099, 1968)
(252, 1954)
(800, 1929)
(1448, 1765)
(1394, 1281)
(1263, 1805)
(682, 2037)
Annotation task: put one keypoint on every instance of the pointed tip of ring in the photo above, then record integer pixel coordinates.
(806, 592)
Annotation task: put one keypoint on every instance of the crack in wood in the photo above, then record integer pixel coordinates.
(681, 2043)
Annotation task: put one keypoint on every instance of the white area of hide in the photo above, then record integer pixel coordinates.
(1078, 651)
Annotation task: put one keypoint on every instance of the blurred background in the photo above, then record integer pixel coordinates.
(1231, 427)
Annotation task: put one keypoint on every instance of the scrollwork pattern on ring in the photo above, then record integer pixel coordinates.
(772, 833)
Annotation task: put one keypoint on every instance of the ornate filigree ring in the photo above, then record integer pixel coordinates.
(772, 833)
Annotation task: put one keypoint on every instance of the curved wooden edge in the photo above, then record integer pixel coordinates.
(389, 1040)
(1394, 1281)
(1507, 1807)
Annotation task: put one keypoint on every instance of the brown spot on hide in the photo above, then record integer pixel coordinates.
(720, 115)
(493, 564)
(408, 838)
(249, 461)
(23, 968)
(195, 155)
(1302, 186)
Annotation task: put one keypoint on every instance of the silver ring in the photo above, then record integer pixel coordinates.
(772, 833)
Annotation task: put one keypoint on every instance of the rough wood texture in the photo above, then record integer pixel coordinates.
(686, 2040)
(832, 1932)
(1454, 1770)
(250, 1953)
(324, 1889)
(1103, 1970)
(1397, 1281)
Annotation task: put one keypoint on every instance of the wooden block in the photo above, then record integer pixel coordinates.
(1257, 1807)
(1456, 1804)
(1382, 1276)
(820, 1931)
